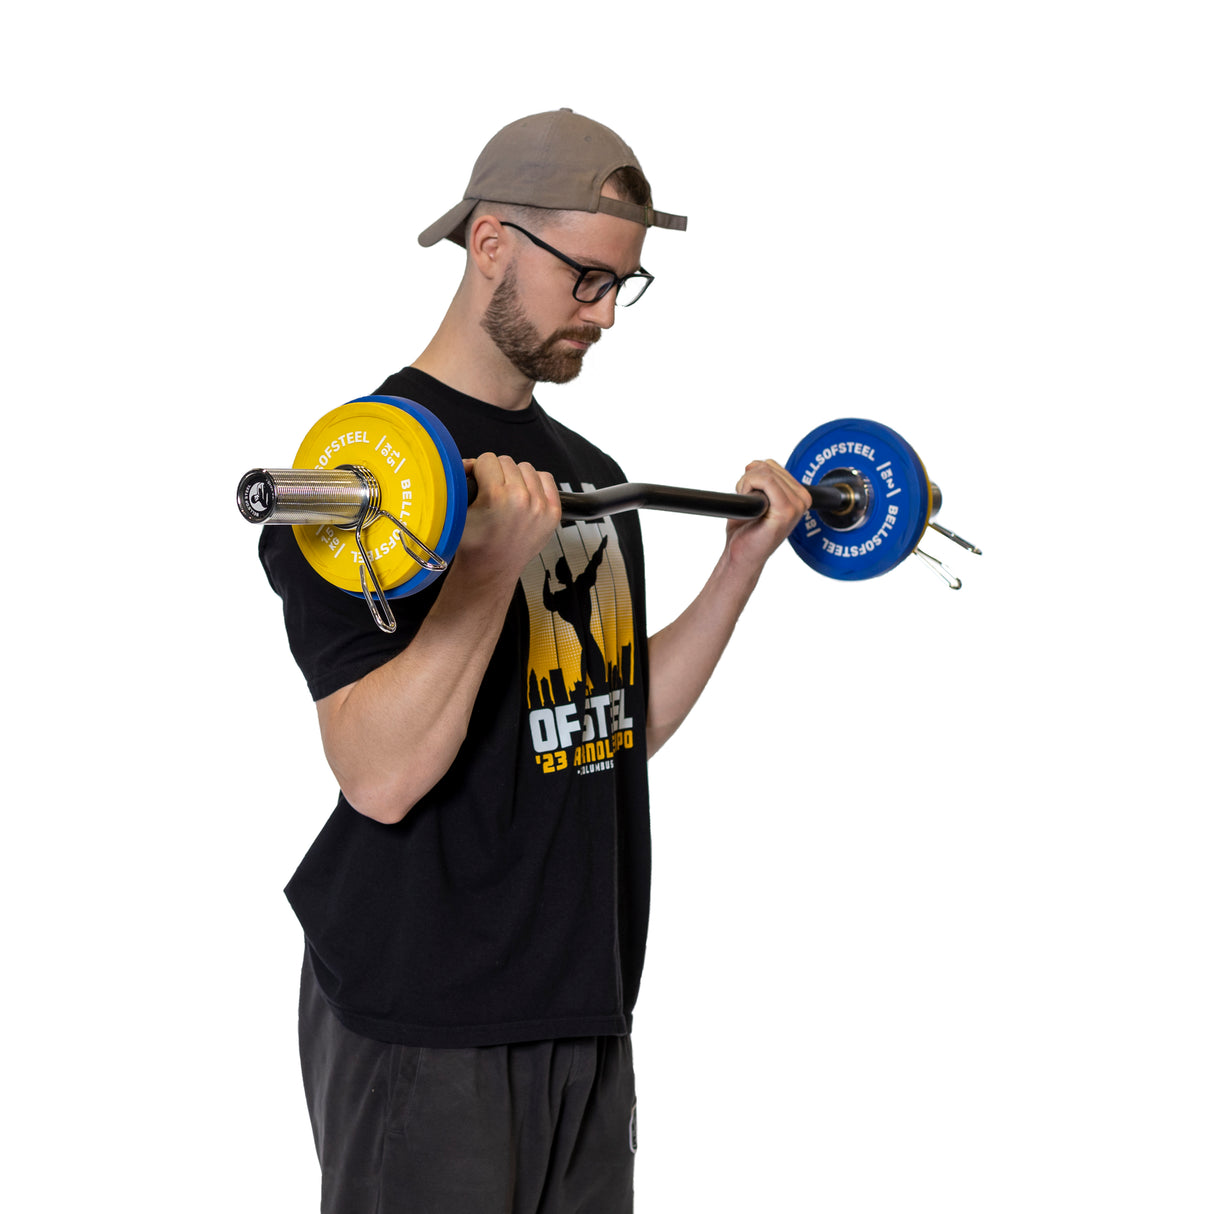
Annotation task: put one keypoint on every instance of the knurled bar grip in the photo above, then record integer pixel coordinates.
(338, 496)
(304, 496)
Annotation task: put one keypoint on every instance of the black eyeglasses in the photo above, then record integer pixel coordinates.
(593, 283)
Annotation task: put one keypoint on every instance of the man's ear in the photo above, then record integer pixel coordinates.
(486, 246)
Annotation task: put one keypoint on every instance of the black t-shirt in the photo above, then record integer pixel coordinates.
(512, 902)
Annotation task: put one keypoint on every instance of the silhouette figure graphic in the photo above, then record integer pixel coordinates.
(572, 603)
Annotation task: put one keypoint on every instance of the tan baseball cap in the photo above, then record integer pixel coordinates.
(558, 160)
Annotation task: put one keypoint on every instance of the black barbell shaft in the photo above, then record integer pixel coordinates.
(615, 499)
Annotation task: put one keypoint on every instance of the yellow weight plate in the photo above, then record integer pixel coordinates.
(400, 453)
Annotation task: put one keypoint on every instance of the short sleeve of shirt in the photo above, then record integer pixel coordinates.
(332, 636)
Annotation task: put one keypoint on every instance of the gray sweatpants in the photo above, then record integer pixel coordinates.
(539, 1128)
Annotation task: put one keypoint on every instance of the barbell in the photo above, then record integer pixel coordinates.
(378, 497)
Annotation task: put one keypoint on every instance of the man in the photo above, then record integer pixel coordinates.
(475, 909)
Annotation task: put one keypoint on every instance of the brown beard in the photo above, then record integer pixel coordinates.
(517, 338)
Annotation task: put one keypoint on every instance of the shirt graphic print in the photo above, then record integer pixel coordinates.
(582, 648)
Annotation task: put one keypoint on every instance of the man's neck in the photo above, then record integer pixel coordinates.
(463, 356)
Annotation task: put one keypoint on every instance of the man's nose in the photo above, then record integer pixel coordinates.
(601, 312)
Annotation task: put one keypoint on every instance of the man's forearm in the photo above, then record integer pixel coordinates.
(390, 737)
(684, 654)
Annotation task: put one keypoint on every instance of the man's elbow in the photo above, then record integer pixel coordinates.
(655, 739)
(379, 801)
(388, 794)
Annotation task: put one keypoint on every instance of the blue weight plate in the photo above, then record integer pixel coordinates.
(456, 485)
(901, 499)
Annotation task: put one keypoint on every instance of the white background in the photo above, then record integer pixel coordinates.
(949, 951)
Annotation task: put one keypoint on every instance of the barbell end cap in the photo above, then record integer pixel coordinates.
(255, 497)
